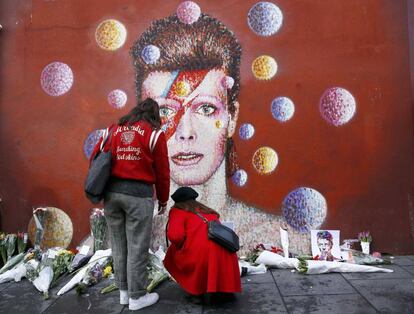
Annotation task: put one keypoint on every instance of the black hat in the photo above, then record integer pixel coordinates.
(184, 193)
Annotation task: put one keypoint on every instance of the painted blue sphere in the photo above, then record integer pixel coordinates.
(246, 131)
(282, 109)
(239, 178)
(91, 141)
(304, 209)
(265, 18)
(150, 54)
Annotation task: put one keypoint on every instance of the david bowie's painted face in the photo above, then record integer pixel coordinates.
(324, 245)
(195, 119)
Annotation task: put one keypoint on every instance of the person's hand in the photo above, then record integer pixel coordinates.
(161, 208)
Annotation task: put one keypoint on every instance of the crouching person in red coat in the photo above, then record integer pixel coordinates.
(198, 264)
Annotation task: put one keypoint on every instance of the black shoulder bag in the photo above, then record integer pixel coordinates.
(221, 234)
(99, 172)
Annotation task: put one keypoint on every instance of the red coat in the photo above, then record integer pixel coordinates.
(132, 157)
(198, 264)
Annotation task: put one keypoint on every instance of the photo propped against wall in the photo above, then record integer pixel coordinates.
(325, 245)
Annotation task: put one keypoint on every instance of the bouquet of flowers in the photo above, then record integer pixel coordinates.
(61, 264)
(11, 240)
(21, 242)
(19, 268)
(43, 281)
(12, 262)
(312, 267)
(55, 262)
(3, 251)
(364, 236)
(358, 257)
(275, 260)
(94, 274)
(45, 272)
(247, 269)
(99, 256)
(79, 260)
(156, 270)
(322, 267)
(254, 254)
(39, 215)
(31, 269)
(98, 227)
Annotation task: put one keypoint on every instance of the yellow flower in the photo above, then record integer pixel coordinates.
(61, 252)
(107, 271)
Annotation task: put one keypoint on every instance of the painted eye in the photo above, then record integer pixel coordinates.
(166, 112)
(206, 109)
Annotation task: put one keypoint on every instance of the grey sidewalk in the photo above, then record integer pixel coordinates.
(277, 291)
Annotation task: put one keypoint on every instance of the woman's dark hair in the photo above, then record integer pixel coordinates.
(147, 110)
(194, 206)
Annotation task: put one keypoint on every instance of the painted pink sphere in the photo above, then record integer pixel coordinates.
(227, 82)
(337, 106)
(117, 98)
(56, 78)
(188, 12)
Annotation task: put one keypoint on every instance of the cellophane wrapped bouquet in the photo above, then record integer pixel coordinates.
(98, 228)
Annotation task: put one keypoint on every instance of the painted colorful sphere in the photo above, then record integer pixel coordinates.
(337, 106)
(91, 141)
(56, 78)
(239, 177)
(246, 131)
(182, 88)
(110, 35)
(304, 209)
(150, 54)
(265, 160)
(57, 226)
(282, 109)
(117, 98)
(188, 12)
(265, 18)
(227, 82)
(264, 67)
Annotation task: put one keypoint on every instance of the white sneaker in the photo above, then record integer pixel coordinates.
(146, 300)
(123, 297)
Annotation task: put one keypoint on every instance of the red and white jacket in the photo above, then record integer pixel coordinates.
(139, 153)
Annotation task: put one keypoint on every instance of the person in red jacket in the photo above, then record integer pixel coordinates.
(139, 161)
(198, 264)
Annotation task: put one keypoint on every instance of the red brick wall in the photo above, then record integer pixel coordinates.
(364, 169)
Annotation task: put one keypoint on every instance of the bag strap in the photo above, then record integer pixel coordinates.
(107, 134)
(202, 217)
(166, 237)
(154, 138)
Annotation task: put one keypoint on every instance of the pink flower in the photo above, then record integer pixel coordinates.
(364, 236)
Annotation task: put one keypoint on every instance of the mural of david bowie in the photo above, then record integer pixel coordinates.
(196, 82)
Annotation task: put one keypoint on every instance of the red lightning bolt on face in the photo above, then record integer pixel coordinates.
(189, 80)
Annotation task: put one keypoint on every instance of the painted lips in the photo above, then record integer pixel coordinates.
(186, 159)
